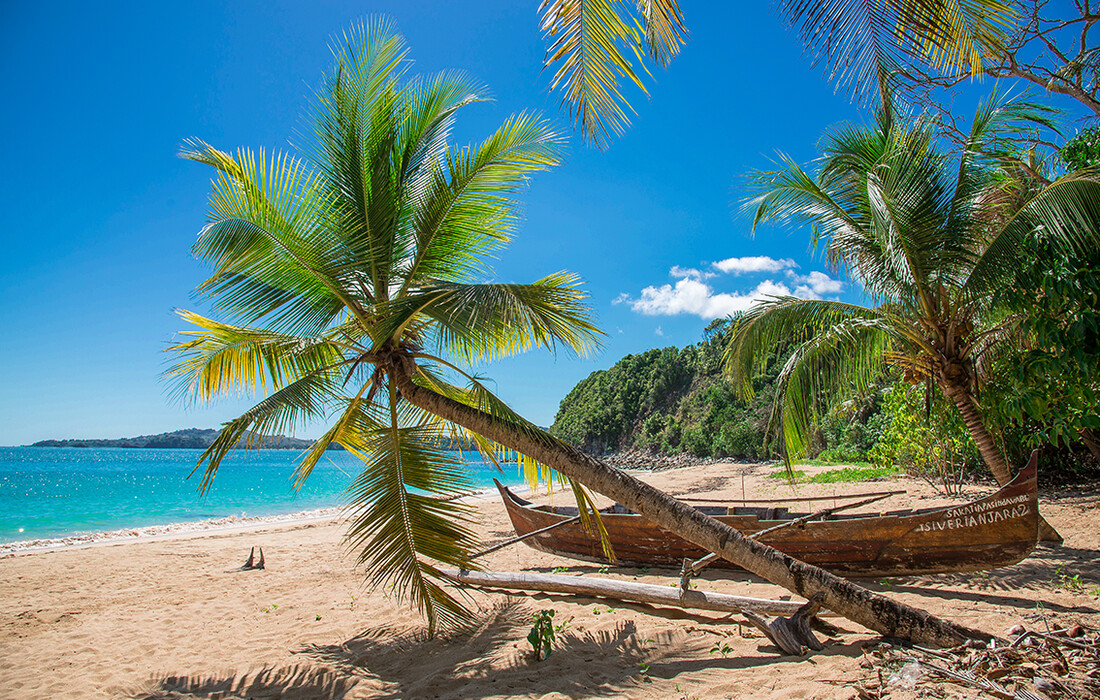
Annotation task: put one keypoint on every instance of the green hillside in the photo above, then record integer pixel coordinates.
(669, 400)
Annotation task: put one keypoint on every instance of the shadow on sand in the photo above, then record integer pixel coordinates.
(493, 658)
(1048, 568)
(291, 683)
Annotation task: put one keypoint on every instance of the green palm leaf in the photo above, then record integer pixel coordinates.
(591, 42)
(400, 520)
(486, 321)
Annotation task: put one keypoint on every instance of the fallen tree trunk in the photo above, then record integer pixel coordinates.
(630, 591)
(872, 610)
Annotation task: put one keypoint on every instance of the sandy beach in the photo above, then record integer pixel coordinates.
(175, 617)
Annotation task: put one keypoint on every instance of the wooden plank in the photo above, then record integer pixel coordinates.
(630, 591)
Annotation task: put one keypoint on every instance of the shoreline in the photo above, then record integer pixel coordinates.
(229, 524)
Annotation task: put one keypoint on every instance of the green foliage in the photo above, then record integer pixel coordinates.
(835, 476)
(796, 475)
(932, 232)
(1050, 387)
(925, 436)
(674, 401)
(600, 411)
(671, 401)
(1083, 150)
(542, 633)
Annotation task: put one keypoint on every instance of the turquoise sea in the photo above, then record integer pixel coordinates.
(48, 492)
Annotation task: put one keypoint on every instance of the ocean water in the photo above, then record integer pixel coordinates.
(48, 492)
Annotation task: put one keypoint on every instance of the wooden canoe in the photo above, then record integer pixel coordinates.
(997, 530)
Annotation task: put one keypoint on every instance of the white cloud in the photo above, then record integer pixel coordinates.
(816, 283)
(678, 272)
(751, 264)
(690, 296)
(659, 331)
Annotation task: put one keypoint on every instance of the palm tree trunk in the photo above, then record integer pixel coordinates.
(1090, 442)
(988, 449)
(856, 603)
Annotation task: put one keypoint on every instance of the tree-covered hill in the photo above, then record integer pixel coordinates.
(669, 400)
(189, 438)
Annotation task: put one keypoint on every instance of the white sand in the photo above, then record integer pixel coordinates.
(175, 617)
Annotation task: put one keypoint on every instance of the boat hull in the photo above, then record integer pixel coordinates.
(995, 531)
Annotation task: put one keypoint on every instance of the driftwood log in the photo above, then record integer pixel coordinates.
(791, 634)
(629, 591)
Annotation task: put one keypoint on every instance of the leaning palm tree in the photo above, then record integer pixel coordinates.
(595, 44)
(351, 283)
(930, 236)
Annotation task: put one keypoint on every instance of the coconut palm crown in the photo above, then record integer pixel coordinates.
(930, 235)
(363, 258)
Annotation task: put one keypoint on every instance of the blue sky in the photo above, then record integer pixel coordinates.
(100, 214)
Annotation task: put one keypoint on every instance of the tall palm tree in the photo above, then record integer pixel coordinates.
(931, 236)
(593, 44)
(351, 285)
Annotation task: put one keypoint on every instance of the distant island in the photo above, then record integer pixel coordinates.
(188, 439)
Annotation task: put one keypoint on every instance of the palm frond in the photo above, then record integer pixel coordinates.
(782, 322)
(347, 430)
(464, 210)
(224, 357)
(844, 357)
(280, 413)
(1065, 212)
(270, 242)
(591, 520)
(592, 42)
(400, 521)
(859, 41)
(486, 321)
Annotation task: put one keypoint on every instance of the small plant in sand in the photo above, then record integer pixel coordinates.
(271, 608)
(722, 648)
(542, 633)
(1070, 583)
(561, 570)
(562, 626)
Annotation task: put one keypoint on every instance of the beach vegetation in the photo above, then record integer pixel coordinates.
(1049, 386)
(837, 476)
(363, 256)
(932, 234)
(722, 648)
(926, 437)
(669, 401)
(542, 634)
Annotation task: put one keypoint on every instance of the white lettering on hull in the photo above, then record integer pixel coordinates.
(949, 522)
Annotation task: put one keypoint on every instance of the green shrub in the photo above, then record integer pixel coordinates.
(741, 439)
(926, 437)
